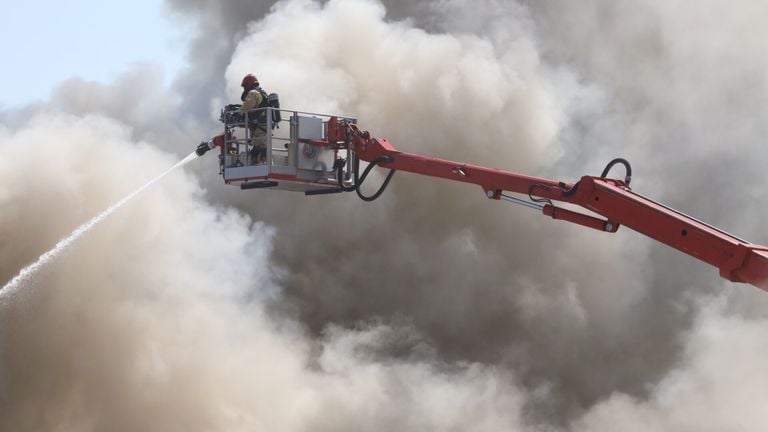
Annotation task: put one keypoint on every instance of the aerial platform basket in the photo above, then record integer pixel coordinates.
(283, 149)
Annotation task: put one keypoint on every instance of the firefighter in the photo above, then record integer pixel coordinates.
(255, 98)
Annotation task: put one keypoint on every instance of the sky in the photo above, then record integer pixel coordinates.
(43, 43)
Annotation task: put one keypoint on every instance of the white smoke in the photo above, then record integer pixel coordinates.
(718, 384)
(403, 82)
(483, 97)
(155, 320)
(488, 82)
(432, 308)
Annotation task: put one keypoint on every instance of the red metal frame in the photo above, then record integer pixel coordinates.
(737, 260)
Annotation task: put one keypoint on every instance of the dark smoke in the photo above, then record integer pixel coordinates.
(610, 80)
(431, 250)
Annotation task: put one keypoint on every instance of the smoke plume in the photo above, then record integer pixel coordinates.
(202, 307)
(156, 321)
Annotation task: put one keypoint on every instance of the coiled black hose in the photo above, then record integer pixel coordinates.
(360, 179)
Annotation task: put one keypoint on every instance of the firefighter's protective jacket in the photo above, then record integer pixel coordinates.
(252, 100)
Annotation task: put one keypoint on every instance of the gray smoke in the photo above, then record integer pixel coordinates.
(487, 82)
(432, 250)
(156, 320)
(431, 302)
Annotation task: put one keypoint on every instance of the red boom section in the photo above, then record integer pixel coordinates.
(737, 260)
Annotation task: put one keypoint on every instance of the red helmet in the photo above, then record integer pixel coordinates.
(249, 80)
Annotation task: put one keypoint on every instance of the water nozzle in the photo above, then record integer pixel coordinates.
(204, 147)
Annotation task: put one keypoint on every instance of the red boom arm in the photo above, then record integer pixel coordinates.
(738, 260)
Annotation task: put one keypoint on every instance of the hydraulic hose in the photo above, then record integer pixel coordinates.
(359, 179)
(627, 179)
(622, 161)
